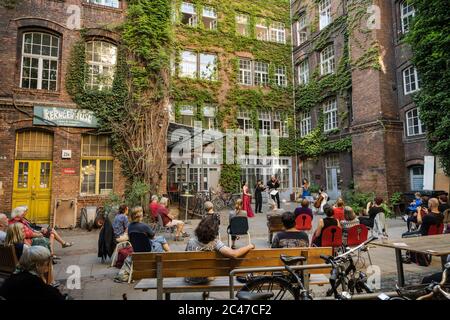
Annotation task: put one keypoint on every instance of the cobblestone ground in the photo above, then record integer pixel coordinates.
(97, 277)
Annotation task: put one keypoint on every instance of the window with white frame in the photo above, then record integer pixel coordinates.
(303, 72)
(278, 32)
(242, 24)
(280, 124)
(208, 66)
(245, 72)
(209, 18)
(245, 122)
(101, 59)
(324, 13)
(261, 73)
(411, 80)
(264, 123)
(188, 14)
(327, 64)
(407, 12)
(188, 64)
(280, 76)
(305, 123)
(40, 54)
(108, 3)
(302, 30)
(330, 115)
(262, 30)
(209, 116)
(187, 115)
(413, 124)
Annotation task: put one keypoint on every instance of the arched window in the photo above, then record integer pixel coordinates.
(40, 54)
(101, 57)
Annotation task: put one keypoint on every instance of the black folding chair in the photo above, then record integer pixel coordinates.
(238, 227)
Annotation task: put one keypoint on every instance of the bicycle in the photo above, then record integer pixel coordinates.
(434, 290)
(222, 200)
(199, 204)
(291, 285)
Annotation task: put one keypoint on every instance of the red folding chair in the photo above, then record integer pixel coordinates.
(303, 222)
(435, 229)
(332, 237)
(357, 235)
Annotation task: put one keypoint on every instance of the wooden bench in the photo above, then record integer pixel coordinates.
(165, 272)
(8, 261)
(274, 224)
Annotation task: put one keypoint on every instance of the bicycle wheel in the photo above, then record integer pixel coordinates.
(218, 203)
(280, 287)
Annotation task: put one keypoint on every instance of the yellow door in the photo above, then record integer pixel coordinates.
(32, 187)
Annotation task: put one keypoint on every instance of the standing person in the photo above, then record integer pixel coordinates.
(120, 224)
(305, 187)
(3, 227)
(170, 221)
(338, 209)
(273, 186)
(247, 200)
(259, 188)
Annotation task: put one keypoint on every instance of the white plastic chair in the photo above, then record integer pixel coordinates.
(120, 245)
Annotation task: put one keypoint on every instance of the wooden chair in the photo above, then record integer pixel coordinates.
(8, 260)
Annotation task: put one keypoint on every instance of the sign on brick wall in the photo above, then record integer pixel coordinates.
(65, 117)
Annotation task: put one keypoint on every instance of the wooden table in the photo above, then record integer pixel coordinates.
(438, 246)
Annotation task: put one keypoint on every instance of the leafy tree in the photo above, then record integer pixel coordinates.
(429, 38)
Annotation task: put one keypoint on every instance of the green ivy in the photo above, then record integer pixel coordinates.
(230, 178)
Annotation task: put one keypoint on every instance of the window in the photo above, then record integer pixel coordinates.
(305, 123)
(245, 72)
(209, 18)
(242, 24)
(96, 165)
(330, 114)
(264, 123)
(261, 73)
(280, 76)
(413, 124)
(187, 115)
(302, 30)
(416, 175)
(333, 175)
(101, 62)
(324, 13)
(411, 80)
(208, 63)
(244, 122)
(188, 14)
(40, 53)
(280, 125)
(34, 145)
(209, 116)
(262, 31)
(327, 60)
(407, 13)
(277, 32)
(109, 3)
(203, 64)
(303, 72)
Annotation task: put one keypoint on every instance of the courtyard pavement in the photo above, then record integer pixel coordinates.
(97, 278)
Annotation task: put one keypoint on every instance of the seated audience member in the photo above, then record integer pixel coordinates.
(236, 212)
(291, 237)
(170, 221)
(432, 217)
(443, 203)
(417, 202)
(44, 237)
(412, 217)
(154, 206)
(328, 221)
(120, 224)
(15, 237)
(373, 210)
(350, 220)
(30, 283)
(209, 208)
(338, 209)
(437, 277)
(3, 227)
(206, 240)
(303, 209)
(158, 244)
